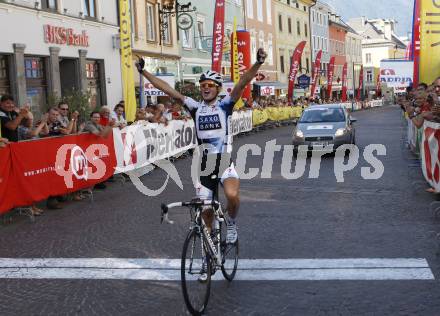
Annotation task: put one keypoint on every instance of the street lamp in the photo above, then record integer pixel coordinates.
(175, 9)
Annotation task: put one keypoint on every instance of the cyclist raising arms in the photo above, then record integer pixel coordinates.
(212, 117)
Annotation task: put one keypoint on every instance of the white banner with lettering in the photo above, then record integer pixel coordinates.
(430, 151)
(141, 144)
(241, 122)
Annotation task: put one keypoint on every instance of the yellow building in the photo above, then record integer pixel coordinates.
(292, 27)
(157, 44)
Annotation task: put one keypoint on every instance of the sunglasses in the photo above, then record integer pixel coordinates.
(64, 109)
(208, 85)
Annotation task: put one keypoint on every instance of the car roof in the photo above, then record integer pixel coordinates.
(326, 106)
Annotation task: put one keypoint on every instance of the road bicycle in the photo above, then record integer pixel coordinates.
(203, 252)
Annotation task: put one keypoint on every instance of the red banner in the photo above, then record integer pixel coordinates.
(294, 67)
(57, 166)
(378, 86)
(344, 83)
(217, 35)
(361, 83)
(315, 75)
(415, 44)
(244, 58)
(330, 74)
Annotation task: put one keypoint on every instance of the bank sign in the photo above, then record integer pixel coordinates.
(65, 36)
(396, 74)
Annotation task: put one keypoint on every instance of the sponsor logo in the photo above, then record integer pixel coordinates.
(209, 122)
(79, 163)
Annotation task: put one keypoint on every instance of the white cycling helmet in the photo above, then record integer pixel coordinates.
(212, 75)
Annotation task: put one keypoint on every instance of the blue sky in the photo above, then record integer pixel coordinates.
(400, 10)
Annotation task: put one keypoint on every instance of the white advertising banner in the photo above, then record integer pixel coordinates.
(267, 90)
(241, 122)
(397, 74)
(139, 145)
(430, 150)
(150, 90)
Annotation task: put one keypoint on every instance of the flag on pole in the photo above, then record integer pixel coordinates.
(127, 61)
(415, 43)
(217, 35)
(344, 83)
(294, 68)
(429, 67)
(330, 74)
(235, 69)
(315, 75)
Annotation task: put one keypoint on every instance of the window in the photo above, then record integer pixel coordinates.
(289, 25)
(260, 10)
(368, 58)
(313, 16)
(269, 11)
(282, 63)
(49, 4)
(4, 75)
(297, 5)
(200, 33)
(93, 83)
(305, 30)
(280, 22)
(298, 27)
(253, 48)
(35, 83)
(369, 76)
(167, 34)
(89, 8)
(305, 8)
(269, 49)
(151, 25)
(187, 38)
(307, 65)
(250, 8)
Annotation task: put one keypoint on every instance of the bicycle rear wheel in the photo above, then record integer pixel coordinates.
(195, 260)
(229, 255)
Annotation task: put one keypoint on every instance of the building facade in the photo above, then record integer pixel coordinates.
(156, 42)
(379, 42)
(353, 54)
(196, 42)
(337, 32)
(320, 39)
(292, 27)
(260, 22)
(57, 46)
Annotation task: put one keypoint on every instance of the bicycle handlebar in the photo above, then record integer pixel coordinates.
(196, 202)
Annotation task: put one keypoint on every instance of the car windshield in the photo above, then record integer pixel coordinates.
(322, 115)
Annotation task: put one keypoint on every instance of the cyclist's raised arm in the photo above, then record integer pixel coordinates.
(159, 83)
(248, 76)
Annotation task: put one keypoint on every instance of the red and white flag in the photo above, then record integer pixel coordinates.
(218, 35)
(344, 83)
(315, 76)
(330, 75)
(294, 67)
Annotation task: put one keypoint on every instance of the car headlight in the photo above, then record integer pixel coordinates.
(299, 133)
(340, 132)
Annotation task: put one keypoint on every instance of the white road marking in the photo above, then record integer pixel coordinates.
(248, 269)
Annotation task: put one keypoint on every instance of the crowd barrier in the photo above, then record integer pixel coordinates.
(32, 171)
(425, 142)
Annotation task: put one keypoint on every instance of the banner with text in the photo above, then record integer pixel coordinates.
(139, 145)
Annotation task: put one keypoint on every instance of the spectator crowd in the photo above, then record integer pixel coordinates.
(18, 124)
(422, 103)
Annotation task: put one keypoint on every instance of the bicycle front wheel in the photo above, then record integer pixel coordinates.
(229, 255)
(195, 273)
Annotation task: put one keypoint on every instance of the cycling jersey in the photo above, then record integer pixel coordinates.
(213, 128)
(213, 123)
